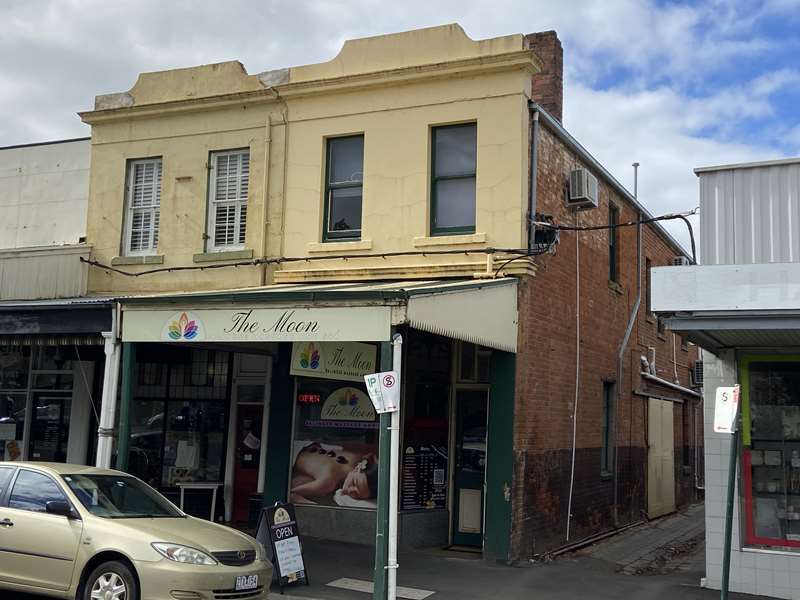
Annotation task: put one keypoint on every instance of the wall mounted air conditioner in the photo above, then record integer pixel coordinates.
(582, 190)
(681, 261)
(697, 373)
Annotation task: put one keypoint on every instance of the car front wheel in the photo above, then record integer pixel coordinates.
(111, 580)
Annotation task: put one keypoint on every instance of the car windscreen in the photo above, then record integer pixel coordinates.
(119, 497)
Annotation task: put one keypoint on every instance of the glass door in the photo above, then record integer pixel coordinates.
(470, 466)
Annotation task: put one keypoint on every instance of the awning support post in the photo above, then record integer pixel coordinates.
(126, 399)
(108, 406)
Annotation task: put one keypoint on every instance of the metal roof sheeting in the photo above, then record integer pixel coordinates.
(750, 213)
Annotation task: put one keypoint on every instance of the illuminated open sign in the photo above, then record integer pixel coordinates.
(309, 399)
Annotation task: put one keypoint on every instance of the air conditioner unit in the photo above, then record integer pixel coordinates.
(681, 261)
(582, 190)
(697, 373)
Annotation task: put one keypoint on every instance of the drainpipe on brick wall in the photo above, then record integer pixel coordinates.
(577, 368)
(264, 216)
(624, 344)
(534, 169)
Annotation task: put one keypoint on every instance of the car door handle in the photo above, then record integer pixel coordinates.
(6, 523)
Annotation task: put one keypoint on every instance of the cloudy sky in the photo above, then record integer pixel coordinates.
(673, 85)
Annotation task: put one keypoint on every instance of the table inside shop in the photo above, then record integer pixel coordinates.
(213, 486)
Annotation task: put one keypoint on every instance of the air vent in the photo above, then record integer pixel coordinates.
(697, 373)
(680, 261)
(582, 190)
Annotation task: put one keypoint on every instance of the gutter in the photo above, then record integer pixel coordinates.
(558, 129)
(669, 384)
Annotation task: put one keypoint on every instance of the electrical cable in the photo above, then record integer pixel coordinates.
(520, 252)
(668, 217)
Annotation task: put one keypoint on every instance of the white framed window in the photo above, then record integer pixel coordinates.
(227, 200)
(143, 205)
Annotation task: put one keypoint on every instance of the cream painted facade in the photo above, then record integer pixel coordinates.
(392, 89)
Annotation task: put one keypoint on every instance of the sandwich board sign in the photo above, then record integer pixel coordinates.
(384, 391)
(280, 523)
(725, 409)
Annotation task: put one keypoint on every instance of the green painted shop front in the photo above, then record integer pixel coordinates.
(457, 410)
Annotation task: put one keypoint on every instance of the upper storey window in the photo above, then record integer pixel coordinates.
(344, 184)
(227, 199)
(143, 204)
(454, 159)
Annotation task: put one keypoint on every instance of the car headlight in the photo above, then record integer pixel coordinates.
(183, 554)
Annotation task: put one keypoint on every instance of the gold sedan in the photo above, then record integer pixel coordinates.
(83, 533)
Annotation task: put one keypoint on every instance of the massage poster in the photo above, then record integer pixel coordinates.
(335, 446)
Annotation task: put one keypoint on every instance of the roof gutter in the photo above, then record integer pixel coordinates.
(558, 129)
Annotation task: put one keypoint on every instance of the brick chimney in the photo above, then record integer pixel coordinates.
(548, 85)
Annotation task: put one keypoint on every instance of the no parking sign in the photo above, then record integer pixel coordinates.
(384, 391)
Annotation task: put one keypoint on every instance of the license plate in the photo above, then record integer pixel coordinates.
(246, 582)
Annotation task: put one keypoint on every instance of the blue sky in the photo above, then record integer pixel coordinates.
(673, 85)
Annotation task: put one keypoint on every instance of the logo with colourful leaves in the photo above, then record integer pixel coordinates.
(183, 326)
(309, 356)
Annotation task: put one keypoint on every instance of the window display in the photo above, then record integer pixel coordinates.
(14, 373)
(771, 457)
(179, 416)
(335, 450)
(424, 475)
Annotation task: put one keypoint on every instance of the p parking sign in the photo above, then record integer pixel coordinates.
(384, 391)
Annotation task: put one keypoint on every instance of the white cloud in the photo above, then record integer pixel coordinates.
(653, 128)
(654, 63)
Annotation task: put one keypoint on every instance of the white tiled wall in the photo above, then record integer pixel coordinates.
(764, 574)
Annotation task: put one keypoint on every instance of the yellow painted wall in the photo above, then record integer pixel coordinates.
(396, 125)
(184, 142)
(392, 89)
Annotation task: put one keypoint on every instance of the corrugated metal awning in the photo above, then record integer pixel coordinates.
(485, 315)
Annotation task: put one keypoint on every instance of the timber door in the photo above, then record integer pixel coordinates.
(470, 467)
(248, 458)
(660, 459)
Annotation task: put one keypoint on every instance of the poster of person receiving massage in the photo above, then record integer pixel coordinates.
(335, 444)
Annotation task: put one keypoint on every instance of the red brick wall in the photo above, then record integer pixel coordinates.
(547, 86)
(546, 365)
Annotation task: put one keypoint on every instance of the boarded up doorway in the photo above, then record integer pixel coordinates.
(660, 459)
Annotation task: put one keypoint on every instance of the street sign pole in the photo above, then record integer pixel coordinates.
(382, 516)
(726, 412)
(394, 473)
(726, 554)
(384, 392)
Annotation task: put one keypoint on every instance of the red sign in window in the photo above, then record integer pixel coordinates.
(309, 399)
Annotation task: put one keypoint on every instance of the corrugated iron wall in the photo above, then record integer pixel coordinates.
(47, 272)
(750, 215)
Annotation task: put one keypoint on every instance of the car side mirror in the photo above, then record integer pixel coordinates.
(59, 507)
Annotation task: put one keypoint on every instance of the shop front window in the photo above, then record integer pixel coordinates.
(335, 448)
(50, 426)
(179, 416)
(193, 450)
(14, 369)
(424, 456)
(771, 456)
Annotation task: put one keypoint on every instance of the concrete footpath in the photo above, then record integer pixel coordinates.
(662, 560)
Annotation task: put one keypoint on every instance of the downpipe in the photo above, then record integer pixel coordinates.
(534, 179)
(624, 344)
